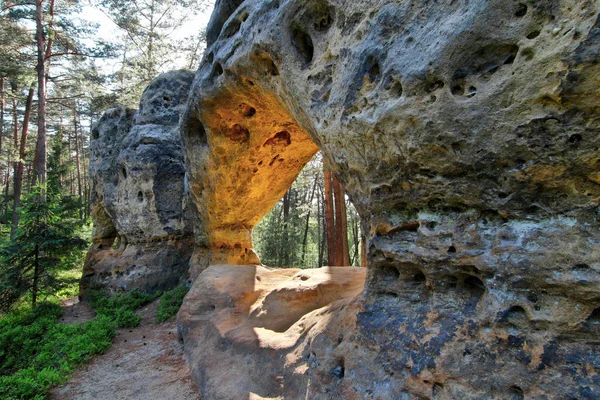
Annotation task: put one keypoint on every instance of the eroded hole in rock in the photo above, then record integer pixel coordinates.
(387, 273)
(516, 393)
(474, 284)
(457, 89)
(217, 70)
(238, 133)
(140, 197)
(394, 86)
(374, 70)
(575, 139)
(475, 289)
(592, 323)
(232, 28)
(247, 110)
(521, 10)
(419, 277)
(266, 64)
(339, 371)
(124, 172)
(433, 86)
(528, 54)
(303, 44)
(451, 249)
(452, 282)
(534, 34)
(282, 138)
(582, 267)
(514, 315)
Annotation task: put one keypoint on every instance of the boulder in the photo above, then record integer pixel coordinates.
(141, 236)
(466, 135)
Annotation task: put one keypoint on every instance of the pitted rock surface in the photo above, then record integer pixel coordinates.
(141, 236)
(467, 136)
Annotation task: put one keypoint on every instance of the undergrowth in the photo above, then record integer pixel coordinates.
(170, 302)
(36, 352)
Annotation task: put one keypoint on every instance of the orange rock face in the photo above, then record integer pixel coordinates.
(254, 152)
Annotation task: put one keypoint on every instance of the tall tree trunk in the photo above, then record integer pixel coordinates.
(36, 276)
(40, 149)
(49, 39)
(329, 217)
(151, 66)
(16, 142)
(341, 223)
(15, 119)
(77, 163)
(363, 252)
(305, 238)
(286, 224)
(2, 114)
(320, 235)
(20, 165)
(84, 167)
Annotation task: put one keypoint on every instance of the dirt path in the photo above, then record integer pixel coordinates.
(143, 363)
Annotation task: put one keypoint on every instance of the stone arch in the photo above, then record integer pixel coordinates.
(252, 151)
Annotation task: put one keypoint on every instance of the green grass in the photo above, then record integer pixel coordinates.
(170, 302)
(36, 352)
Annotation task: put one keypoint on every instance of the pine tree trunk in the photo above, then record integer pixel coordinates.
(36, 276)
(320, 224)
(2, 115)
(15, 119)
(341, 223)
(20, 166)
(40, 149)
(305, 238)
(329, 218)
(286, 223)
(77, 163)
(363, 252)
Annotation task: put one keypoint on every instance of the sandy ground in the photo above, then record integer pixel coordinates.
(143, 363)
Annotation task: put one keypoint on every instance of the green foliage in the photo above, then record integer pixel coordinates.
(170, 302)
(120, 306)
(46, 243)
(36, 352)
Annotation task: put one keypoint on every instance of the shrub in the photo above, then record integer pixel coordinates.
(36, 352)
(170, 302)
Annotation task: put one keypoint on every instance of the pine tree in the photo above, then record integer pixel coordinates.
(148, 46)
(46, 243)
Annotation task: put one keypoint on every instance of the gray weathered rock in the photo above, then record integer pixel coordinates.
(467, 135)
(141, 238)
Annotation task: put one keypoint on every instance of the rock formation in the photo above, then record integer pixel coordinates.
(467, 136)
(141, 236)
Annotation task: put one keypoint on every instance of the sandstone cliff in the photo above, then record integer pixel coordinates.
(141, 237)
(466, 134)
